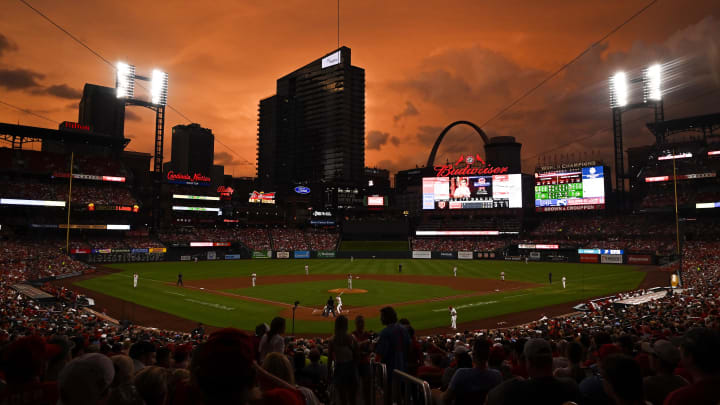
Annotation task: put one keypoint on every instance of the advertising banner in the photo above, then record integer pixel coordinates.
(447, 255)
(80, 251)
(232, 257)
(157, 250)
(262, 254)
(185, 258)
(121, 250)
(283, 255)
(421, 254)
(325, 254)
(613, 259)
(211, 255)
(586, 258)
(302, 254)
(535, 255)
(465, 255)
(141, 250)
(639, 259)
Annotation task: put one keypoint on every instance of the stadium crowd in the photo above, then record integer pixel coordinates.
(665, 351)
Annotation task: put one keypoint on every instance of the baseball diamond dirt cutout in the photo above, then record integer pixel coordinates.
(478, 286)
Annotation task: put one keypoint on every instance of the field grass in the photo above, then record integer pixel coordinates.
(374, 245)
(156, 288)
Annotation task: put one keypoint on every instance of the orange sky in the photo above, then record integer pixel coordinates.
(427, 64)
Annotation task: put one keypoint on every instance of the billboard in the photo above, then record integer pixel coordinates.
(282, 255)
(375, 201)
(262, 197)
(614, 259)
(301, 254)
(262, 254)
(472, 192)
(325, 254)
(465, 255)
(421, 254)
(581, 189)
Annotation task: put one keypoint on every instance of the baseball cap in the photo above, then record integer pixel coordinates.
(537, 347)
(664, 350)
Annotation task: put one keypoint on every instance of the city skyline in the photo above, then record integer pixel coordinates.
(425, 67)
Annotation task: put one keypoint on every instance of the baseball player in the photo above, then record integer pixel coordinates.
(253, 279)
(563, 281)
(453, 317)
(135, 280)
(307, 270)
(352, 259)
(179, 280)
(339, 304)
(196, 259)
(526, 260)
(400, 268)
(349, 281)
(455, 271)
(502, 275)
(550, 277)
(330, 307)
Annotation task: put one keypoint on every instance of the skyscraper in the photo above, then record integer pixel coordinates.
(313, 129)
(102, 110)
(193, 149)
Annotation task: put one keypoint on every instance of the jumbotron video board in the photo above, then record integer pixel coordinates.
(472, 192)
(570, 189)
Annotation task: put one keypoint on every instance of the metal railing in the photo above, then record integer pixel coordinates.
(409, 390)
(378, 383)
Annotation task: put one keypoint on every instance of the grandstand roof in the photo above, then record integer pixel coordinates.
(26, 133)
(700, 123)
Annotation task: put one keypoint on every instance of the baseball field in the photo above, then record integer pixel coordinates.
(219, 293)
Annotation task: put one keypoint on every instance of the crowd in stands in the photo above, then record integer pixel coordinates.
(28, 260)
(459, 244)
(288, 239)
(665, 351)
(82, 192)
(321, 240)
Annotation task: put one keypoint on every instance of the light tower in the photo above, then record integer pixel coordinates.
(619, 103)
(125, 90)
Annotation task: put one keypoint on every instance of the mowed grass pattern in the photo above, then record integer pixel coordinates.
(156, 288)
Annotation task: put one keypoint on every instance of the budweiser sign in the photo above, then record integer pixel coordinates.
(262, 197)
(186, 178)
(464, 167)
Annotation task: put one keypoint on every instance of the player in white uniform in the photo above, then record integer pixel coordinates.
(339, 304)
(307, 270)
(349, 281)
(455, 271)
(135, 280)
(526, 260)
(453, 318)
(253, 279)
(563, 280)
(196, 259)
(502, 275)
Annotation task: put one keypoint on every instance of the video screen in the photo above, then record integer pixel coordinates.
(472, 192)
(375, 201)
(582, 189)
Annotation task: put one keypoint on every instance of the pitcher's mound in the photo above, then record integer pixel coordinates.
(348, 291)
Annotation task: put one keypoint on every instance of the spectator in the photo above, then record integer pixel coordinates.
(278, 365)
(541, 387)
(462, 360)
(592, 388)
(393, 342)
(162, 357)
(152, 383)
(622, 379)
(364, 342)
(700, 349)
(344, 353)
(471, 385)
(664, 358)
(273, 341)
(143, 355)
(86, 380)
(574, 369)
(23, 363)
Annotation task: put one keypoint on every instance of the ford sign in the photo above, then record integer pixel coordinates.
(302, 190)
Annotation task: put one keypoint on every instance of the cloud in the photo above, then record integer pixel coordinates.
(376, 139)
(19, 79)
(226, 159)
(6, 45)
(395, 140)
(132, 116)
(409, 111)
(63, 91)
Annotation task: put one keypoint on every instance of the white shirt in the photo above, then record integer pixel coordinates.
(306, 268)
(453, 312)
(339, 300)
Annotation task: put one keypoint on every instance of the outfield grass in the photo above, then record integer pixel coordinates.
(156, 288)
(374, 245)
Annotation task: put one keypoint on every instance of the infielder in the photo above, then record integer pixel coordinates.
(453, 317)
(339, 305)
(179, 280)
(349, 281)
(135, 280)
(502, 275)
(563, 281)
(550, 277)
(307, 270)
(253, 279)
(526, 260)
(455, 271)
(196, 259)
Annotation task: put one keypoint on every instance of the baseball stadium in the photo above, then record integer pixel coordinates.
(487, 274)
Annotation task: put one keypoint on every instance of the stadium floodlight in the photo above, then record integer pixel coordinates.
(618, 90)
(652, 79)
(159, 87)
(125, 80)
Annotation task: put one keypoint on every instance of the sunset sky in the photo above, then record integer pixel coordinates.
(427, 63)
